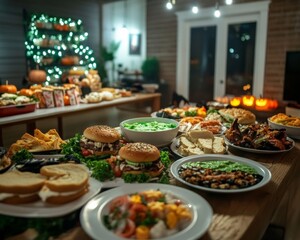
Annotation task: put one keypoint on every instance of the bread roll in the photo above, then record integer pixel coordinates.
(102, 133)
(139, 152)
(20, 187)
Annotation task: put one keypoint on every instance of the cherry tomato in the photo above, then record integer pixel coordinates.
(129, 229)
(117, 171)
(85, 152)
(137, 210)
(120, 201)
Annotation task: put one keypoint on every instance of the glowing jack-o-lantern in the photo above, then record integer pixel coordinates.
(262, 104)
(235, 102)
(248, 100)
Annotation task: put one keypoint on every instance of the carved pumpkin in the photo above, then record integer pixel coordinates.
(8, 88)
(37, 76)
(262, 104)
(248, 100)
(235, 102)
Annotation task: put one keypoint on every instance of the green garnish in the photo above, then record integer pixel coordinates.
(101, 170)
(226, 166)
(165, 158)
(190, 113)
(149, 126)
(140, 178)
(22, 155)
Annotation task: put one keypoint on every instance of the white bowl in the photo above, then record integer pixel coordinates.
(292, 132)
(158, 138)
(150, 87)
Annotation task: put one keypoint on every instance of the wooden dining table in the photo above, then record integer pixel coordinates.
(247, 215)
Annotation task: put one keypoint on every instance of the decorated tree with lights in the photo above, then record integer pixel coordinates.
(56, 45)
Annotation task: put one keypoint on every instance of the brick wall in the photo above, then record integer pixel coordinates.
(283, 35)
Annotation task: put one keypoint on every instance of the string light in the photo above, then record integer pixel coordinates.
(217, 12)
(170, 4)
(195, 9)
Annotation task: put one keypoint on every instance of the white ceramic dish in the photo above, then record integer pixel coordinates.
(150, 87)
(44, 210)
(92, 213)
(293, 132)
(252, 150)
(262, 170)
(157, 138)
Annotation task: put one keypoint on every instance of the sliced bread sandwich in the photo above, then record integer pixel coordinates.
(65, 183)
(20, 187)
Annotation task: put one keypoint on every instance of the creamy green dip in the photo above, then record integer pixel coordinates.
(149, 126)
(226, 166)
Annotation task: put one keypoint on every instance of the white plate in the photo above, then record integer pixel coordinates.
(92, 213)
(253, 150)
(293, 132)
(262, 170)
(45, 210)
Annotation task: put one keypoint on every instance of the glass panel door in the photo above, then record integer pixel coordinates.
(240, 58)
(222, 58)
(202, 63)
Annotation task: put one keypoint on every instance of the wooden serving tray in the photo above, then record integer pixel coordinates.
(17, 109)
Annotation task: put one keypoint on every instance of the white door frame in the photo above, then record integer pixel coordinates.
(257, 11)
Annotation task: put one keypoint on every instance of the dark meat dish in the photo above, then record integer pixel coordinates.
(258, 136)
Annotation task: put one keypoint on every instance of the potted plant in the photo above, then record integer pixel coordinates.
(150, 69)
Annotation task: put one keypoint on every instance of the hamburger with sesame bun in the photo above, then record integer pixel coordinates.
(100, 140)
(138, 158)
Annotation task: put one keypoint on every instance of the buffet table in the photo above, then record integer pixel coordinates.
(30, 118)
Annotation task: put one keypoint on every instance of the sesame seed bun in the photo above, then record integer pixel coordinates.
(102, 133)
(139, 152)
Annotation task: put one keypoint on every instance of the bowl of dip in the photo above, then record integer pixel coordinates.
(156, 131)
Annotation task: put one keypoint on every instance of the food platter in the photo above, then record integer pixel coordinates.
(260, 151)
(44, 210)
(260, 169)
(174, 147)
(291, 131)
(92, 213)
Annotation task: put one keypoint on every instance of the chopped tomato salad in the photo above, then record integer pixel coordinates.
(147, 215)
